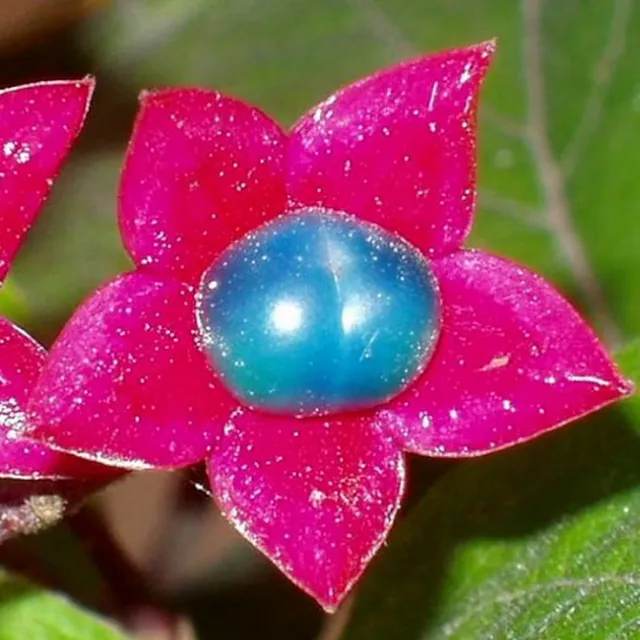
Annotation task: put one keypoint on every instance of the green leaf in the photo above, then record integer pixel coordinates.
(13, 303)
(539, 542)
(74, 246)
(28, 612)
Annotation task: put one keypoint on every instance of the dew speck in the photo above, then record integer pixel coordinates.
(508, 406)
(433, 96)
(317, 497)
(23, 156)
(497, 363)
(598, 382)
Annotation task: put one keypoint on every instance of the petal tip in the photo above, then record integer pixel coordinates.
(341, 512)
(485, 52)
(331, 605)
(146, 98)
(488, 48)
(621, 385)
(528, 365)
(149, 95)
(84, 87)
(88, 85)
(626, 387)
(88, 81)
(78, 92)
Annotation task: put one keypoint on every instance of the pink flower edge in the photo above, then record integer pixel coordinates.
(38, 125)
(203, 169)
(125, 383)
(317, 499)
(514, 361)
(397, 148)
(21, 359)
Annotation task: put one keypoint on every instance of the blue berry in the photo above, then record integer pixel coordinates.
(318, 312)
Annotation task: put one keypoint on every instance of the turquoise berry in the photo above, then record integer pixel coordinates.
(318, 312)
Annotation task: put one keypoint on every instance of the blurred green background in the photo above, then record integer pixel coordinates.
(559, 167)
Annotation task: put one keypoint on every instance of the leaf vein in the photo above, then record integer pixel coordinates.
(622, 629)
(387, 31)
(583, 585)
(552, 180)
(603, 75)
(529, 216)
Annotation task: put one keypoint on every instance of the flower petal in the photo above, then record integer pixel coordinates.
(21, 360)
(514, 360)
(317, 497)
(397, 148)
(38, 124)
(126, 384)
(202, 170)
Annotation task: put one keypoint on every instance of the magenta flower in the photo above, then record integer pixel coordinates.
(302, 313)
(38, 124)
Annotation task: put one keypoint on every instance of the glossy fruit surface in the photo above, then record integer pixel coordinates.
(318, 312)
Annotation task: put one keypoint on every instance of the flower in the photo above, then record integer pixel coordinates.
(38, 125)
(375, 185)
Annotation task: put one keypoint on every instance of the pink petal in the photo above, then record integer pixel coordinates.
(38, 124)
(398, 149)
(202, 170)
(126, 384)
(21, 360)
(514, 360)
(317, 497)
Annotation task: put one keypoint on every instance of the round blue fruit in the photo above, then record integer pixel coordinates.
(318, 312)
